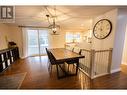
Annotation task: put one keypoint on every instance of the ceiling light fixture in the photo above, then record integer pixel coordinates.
(52, 21)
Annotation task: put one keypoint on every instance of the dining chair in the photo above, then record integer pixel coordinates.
(47, 55)
(76, 50)
(52, 61)
(70, 48)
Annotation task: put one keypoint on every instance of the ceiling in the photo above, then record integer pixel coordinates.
(68, 17)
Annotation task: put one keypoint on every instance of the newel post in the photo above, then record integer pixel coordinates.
(110, 60)
(92, 63)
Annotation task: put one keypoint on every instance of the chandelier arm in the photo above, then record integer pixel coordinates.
(48, 20)
(48, 11)
(52, 20)
(55, 10)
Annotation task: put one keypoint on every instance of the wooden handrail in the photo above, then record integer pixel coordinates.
(102, 50)
(96, 50)
(85, 50)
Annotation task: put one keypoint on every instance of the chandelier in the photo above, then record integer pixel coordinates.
(52, 22)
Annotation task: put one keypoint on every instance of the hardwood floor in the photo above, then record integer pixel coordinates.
(114, 81)
(38, 77)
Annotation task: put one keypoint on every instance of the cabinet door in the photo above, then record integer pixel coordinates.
(9, 56)
(5, 60)
(1, 66)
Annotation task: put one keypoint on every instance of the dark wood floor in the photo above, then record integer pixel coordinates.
(38, 77)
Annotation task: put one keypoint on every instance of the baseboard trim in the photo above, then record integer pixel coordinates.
(23, 57)
(99, 75)
(115, 70)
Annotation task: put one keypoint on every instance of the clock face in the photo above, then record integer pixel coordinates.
(102, 29)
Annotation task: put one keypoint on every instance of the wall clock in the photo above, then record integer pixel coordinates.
(102, 29)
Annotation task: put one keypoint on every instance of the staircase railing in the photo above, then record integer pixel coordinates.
(96, 62)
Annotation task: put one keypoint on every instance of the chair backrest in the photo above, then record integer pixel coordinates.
(51, 57)
(77, 50)
(70, 48)
(46, 49)
(47, 52)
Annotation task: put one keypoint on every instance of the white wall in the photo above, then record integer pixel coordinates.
(119, 39)
(16, 36)
(57, 41)
(124, 59)
(107, 42)
(84, 43)
(12, 33)
(4, 33)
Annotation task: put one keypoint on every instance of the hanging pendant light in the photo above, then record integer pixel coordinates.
(53, 26)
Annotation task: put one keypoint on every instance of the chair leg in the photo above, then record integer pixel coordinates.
(77, 68)
(49, 66)
(57, 71)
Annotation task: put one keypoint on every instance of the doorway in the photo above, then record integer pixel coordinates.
(37, 41)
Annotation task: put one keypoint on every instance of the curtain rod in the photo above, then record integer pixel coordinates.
(33, 26)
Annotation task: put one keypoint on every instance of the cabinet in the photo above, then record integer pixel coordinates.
(8, 57)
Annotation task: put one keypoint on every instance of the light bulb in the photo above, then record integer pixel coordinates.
(54, 29)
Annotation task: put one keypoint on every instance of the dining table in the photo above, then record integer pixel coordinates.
(63, 55)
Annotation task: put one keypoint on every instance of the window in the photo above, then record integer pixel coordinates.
(37, 41)
(69, 37)
(73, 37)
(77, 37)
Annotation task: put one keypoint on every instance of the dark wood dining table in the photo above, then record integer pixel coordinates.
(63, 55)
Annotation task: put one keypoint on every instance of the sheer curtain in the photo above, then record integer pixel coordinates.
(43, 40)
(25, 42)
(35, 40)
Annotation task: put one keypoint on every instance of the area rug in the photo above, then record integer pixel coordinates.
(12, 81)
